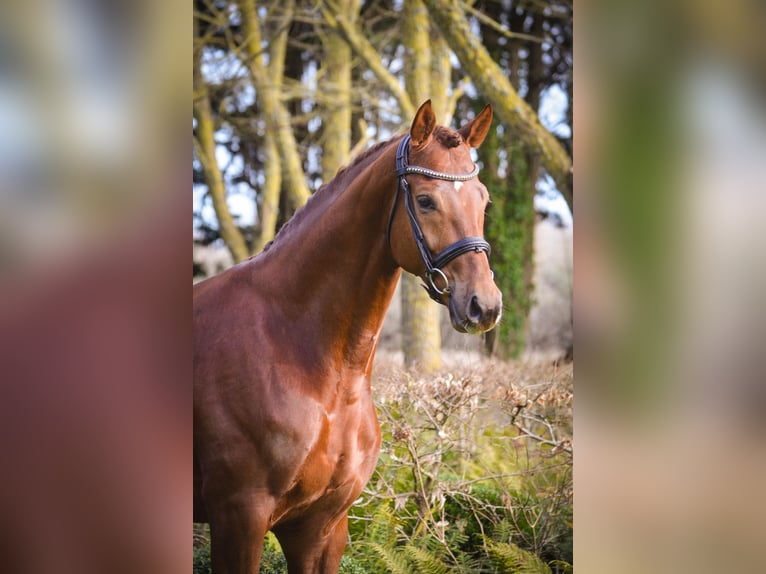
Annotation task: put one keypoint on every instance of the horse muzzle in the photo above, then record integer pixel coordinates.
(475, 312)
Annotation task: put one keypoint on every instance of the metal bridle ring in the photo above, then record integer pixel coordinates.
(430, 276)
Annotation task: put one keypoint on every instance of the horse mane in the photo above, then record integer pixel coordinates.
(330, 185)
(359, 159)
(449, 138)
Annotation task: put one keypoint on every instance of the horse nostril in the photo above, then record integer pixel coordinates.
(475, 310)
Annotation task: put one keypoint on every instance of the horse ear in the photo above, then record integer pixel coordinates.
(475, 131)
(423, 125)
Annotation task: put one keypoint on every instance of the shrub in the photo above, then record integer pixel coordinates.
(201, 561)
(469, 458)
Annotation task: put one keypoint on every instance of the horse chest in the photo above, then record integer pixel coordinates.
(340, 455)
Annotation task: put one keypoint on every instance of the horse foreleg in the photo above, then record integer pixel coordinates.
(312, 549)
(237, 528)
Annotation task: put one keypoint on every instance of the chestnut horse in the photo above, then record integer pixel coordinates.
(285, 432)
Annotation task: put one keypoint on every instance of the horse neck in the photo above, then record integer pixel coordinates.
(336, 270)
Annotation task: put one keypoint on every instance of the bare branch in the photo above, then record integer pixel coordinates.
(491, 80)
(369, 54)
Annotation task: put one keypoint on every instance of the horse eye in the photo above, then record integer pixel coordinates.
(425, 202)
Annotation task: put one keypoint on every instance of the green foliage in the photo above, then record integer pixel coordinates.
(453, 474)
(201, 560)
(509, 228)
(350, 566)
(272, 559)
(425, 561)
(405, 558)
(386, 559)
(383, 551)
(513, 560)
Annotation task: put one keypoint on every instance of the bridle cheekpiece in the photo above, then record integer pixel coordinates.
(433, 265)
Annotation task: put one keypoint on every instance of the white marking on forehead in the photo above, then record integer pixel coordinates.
(458, 185)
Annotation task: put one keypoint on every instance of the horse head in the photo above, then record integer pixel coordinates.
(438, 234)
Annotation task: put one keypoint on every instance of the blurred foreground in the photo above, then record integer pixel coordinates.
(95, 341)
(670, 277)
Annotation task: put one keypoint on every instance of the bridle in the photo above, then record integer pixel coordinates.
(434, 265)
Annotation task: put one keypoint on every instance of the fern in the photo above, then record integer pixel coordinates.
(562, 566)
(503, 530)
(383, 527)
(513, 560)
(467, 564)
(391, 558)
(425, 562)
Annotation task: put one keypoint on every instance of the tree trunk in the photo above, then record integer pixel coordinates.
(511, 217)
(421, 337)
(336, 86)
(272, 185)
(272, 162)
(491, 81)
(441, 78)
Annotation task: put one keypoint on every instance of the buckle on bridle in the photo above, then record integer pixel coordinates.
(432, 287)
